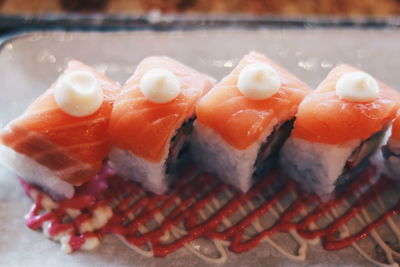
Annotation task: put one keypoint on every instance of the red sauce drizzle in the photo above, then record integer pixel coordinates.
(133, 208)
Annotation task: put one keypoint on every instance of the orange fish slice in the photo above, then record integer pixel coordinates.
(71, 148)
(241, 121)
(146, 128)
(323, 117)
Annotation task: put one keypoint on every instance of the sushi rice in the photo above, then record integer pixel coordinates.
(36, 173)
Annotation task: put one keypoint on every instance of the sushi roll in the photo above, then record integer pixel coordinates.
(152, 119)
(244, 119)
(391, 151)
(338, 126)
(61, 139)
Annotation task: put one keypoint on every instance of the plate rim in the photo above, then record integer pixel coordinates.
(13, 27)
(165, 22)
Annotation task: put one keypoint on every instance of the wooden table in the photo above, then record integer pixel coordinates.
(378, 8)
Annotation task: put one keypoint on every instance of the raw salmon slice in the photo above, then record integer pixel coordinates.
(323, 117)
(241, 121)
(146, 128)
(72, 148)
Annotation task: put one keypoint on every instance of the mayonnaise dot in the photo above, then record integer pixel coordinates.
(258, 81)
(160, 85)
(78, 93)
(357, 87)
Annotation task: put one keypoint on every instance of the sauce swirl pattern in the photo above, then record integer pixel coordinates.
(201, 211)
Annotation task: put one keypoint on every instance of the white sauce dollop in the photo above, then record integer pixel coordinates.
(258, 81)
(78, 93)
(357, 87)
(160, 85)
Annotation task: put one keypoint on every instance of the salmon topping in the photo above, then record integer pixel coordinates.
(325, 118)
(145, 128)
(239, 120)
(60, 141)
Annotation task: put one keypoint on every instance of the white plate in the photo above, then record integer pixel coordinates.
(30, 63)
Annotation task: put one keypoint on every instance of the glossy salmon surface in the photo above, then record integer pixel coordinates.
(323, 117)
(241, 121)
(145, 128)
(74, 147)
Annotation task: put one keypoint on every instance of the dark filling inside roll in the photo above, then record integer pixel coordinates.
(271, 146)
(359, 156)
(387, 153)
(179, 147)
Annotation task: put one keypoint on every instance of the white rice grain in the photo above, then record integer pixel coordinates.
(316, 166)
(216, 156)
(35, 173)
(151, 175)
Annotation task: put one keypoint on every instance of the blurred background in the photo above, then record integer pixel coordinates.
(297, 8)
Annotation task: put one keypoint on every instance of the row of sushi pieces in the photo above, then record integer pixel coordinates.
(147, 128)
